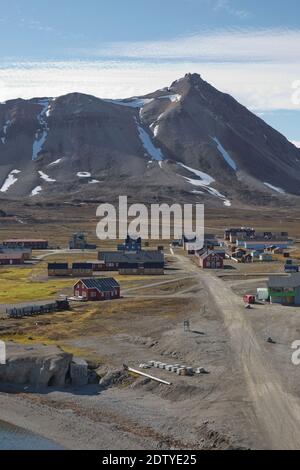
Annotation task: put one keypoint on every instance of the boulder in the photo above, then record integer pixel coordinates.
(36, 365)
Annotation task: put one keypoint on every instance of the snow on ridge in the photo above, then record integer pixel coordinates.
(275, 188)
(84, 174)
(132, 103)
(160, 117)
(225, 154)
(36, 191)
(296, 143)
(173, 98)
(46, 177)
(42, 132)
(10, 180)
(154, 152)
(55, 162)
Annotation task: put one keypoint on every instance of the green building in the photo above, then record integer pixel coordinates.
(284, 290)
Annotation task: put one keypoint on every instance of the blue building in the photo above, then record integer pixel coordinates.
(131, 244)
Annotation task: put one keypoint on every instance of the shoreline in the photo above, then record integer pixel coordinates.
(63, 422)
(16, 413)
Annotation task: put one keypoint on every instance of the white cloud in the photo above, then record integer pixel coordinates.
(246, 45)
(258, 68)
(259, 87)
(225, 5)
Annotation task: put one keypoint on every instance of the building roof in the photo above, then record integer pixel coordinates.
(21, 240)
(14, 249)
(58, 266)
(101, 284)
(210, 252)
(131, 257)
(291, 281)
(11, 255)
(82, 266)
(128, 265)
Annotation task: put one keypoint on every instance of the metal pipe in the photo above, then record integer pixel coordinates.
(149, 376)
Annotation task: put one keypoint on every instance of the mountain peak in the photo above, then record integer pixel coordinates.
(189, 139)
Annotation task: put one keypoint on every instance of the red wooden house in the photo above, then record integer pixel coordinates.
(97, 289)
(210, 260)
(11, 258)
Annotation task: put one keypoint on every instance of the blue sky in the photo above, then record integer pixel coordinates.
(122, 48)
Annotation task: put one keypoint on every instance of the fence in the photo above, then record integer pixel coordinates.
(30, 310)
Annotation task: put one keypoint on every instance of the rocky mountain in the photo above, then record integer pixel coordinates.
(188, 141)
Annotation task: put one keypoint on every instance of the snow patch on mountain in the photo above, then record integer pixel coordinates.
(148, 145)
(46, 177)
(275, 188)
(55, 162)
(227, 203)
(225, 154)
(204, 182)
(206, 179)
(84, 174)
(94, 181)
(4, 131)
(36, 191)
(196, 191)
(155, 130)
(42, 132)
(10, 180)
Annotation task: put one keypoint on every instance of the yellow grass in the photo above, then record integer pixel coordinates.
(17, 286)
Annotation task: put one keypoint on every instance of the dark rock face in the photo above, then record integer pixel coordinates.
(83, 147)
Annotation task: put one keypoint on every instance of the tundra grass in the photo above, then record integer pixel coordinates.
(17, 286)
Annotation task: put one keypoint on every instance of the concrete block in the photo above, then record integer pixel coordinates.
(79, 372)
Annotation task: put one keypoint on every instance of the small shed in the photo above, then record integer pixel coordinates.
(97, 289)
(291, 268)
(82, 269)
(58, 269)
(262, 293)
(210, 260)
(11, 258)
(265, 257)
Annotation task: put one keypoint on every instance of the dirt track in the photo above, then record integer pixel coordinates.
(277, 411)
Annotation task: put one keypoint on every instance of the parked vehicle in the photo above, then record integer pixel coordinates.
(249, 299)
